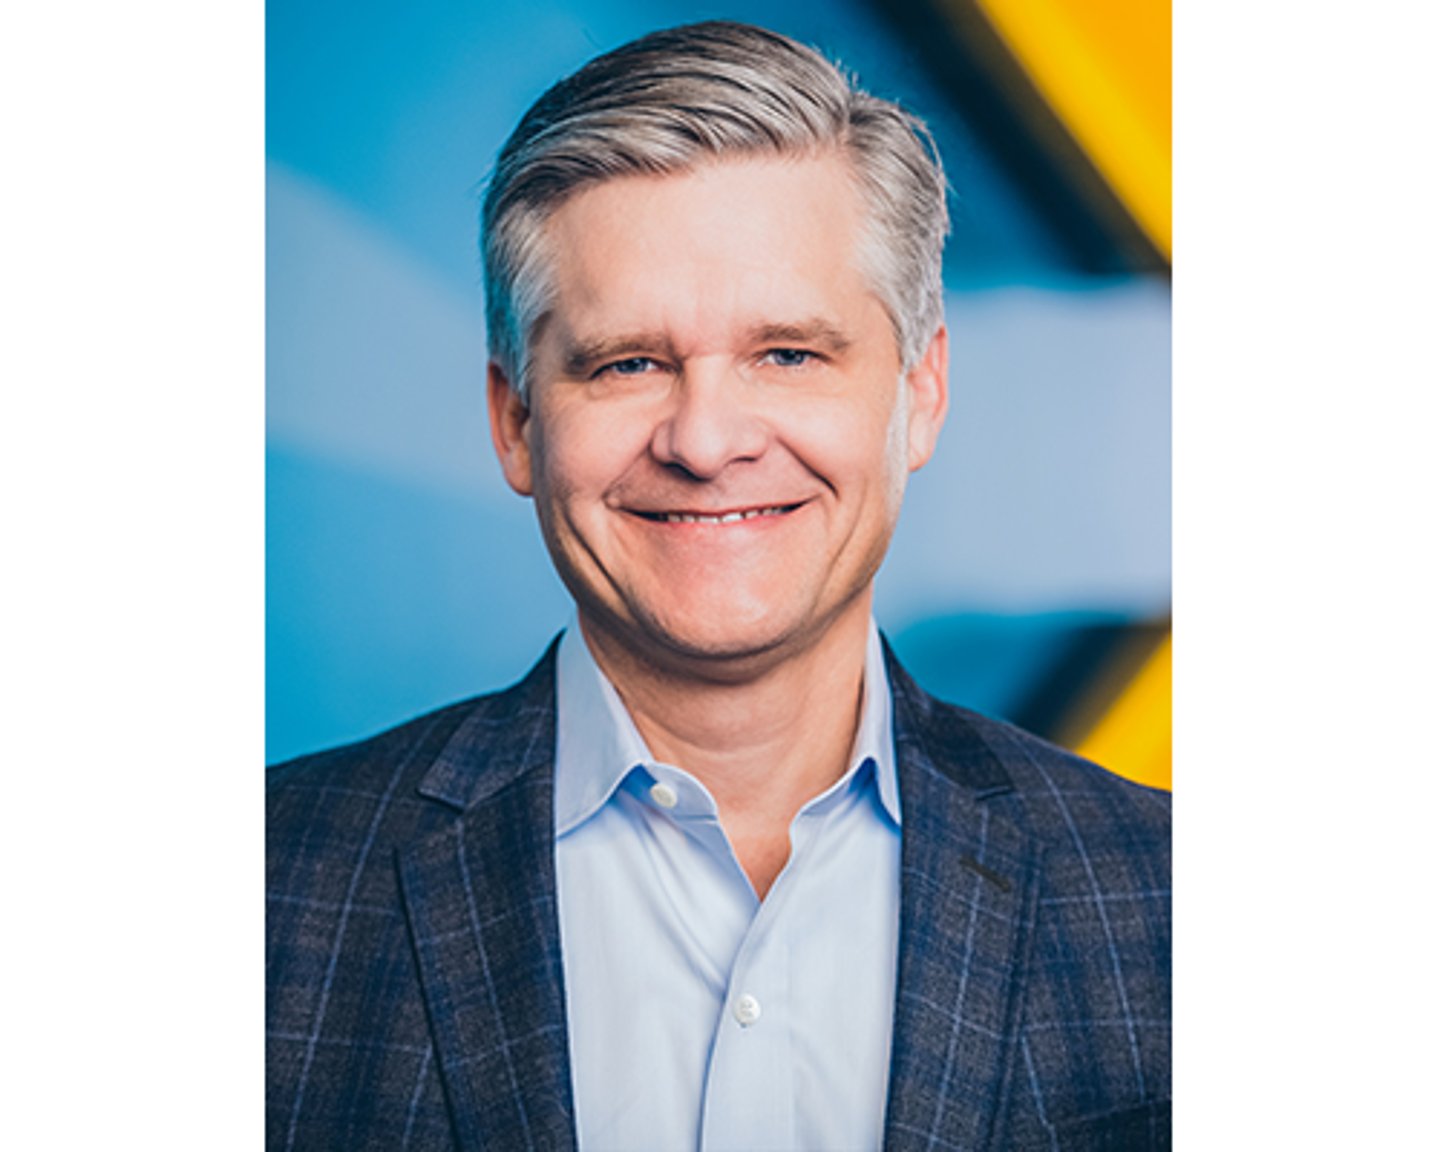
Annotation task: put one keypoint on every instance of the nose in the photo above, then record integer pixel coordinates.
(710, 424)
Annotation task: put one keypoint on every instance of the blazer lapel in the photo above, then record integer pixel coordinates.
(480, 898)
(967, 906)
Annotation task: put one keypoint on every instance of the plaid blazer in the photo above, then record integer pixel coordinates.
(415, 985)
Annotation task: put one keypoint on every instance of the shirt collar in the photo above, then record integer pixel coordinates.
(597, 744)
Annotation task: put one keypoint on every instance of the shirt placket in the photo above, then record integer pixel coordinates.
(749, 1099)
(750, 1096)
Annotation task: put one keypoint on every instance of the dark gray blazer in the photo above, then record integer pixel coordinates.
(416, 994)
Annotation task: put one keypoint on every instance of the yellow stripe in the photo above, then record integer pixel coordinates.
(1133, 737)
(1103, 66)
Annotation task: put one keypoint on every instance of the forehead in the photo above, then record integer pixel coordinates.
(746, 242)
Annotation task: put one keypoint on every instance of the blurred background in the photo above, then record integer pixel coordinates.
(1030, 575)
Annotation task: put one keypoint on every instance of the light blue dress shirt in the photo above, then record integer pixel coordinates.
(700, 1017)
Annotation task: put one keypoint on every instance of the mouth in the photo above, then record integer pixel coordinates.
(736, 516)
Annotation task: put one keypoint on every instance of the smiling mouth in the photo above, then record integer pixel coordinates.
(717, 517)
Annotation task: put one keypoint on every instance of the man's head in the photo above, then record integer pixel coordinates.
(711, 390)
(678, 98)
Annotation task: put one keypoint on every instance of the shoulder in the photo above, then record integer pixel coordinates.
(1101, 842)
(1101, 837)
(1065, 796)
(1058, 797)
(407, 780)
(372, 764)
(334, 819)
(327, 811)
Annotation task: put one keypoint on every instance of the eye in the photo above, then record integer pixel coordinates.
(630, 366)
(789, 357)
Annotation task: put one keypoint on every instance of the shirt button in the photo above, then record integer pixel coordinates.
(747, 1010)
(664, 795)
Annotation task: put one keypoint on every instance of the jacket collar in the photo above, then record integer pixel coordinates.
(505, 737)
(943, 738)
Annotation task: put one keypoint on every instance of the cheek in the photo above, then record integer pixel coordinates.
(853, 444)
(583, 452)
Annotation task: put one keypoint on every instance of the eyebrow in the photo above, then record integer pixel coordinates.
(814, 331)
(583, 355)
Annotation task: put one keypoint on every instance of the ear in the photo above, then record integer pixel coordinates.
(929, 385)
(509, 430)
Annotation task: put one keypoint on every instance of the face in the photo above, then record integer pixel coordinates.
(719, 432)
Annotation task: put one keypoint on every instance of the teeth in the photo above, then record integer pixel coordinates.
(727, 518)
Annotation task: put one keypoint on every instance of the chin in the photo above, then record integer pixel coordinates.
(724, 633)
(714, 628)
(721, 636)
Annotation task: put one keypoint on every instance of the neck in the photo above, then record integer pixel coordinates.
(763, 743)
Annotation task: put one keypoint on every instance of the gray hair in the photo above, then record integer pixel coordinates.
(665, 103)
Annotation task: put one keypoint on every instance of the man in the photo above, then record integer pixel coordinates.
(716, 874)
